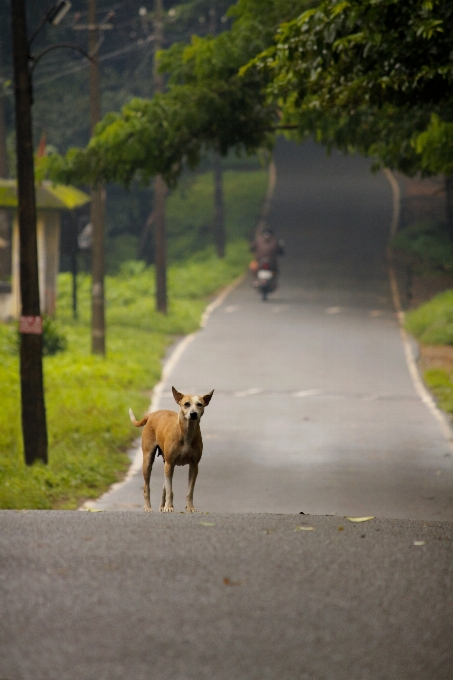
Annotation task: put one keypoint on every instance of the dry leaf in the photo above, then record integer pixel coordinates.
(359, 519)
(419, 542)
(227, 582)
(207, 524)
(304, 528)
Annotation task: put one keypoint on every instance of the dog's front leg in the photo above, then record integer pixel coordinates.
(148, 460)
(193, 473)
(167, 492)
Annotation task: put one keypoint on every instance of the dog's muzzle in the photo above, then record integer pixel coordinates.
(193, 415)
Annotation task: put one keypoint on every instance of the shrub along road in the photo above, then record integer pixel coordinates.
(314, 411)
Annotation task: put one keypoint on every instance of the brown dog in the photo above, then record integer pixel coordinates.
(177, 437)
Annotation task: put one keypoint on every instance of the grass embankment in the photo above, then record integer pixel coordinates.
(87, 397)
(432, 325)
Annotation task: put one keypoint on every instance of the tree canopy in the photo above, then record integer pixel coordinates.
(372, 76)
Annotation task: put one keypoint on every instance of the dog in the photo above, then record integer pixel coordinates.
(177, 437)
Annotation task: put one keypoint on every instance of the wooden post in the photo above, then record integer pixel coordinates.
(160, 189)
(97, 196)
(34, 426)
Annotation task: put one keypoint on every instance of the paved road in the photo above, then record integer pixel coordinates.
(116, 596)
(314, 409)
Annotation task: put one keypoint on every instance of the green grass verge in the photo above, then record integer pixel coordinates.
(432, 322)
(440, 382)
(87, 397)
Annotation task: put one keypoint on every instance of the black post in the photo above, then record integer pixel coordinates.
(34, 427)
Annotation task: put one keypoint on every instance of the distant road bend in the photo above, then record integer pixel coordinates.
(314, 409)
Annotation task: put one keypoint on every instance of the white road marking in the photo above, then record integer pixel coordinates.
(333, 310)
(306, 393)
(249, 392)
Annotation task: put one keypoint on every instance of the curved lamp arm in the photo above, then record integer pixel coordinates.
(70, 46)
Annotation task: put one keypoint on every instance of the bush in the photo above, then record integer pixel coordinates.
(428, 242)
(54, 339)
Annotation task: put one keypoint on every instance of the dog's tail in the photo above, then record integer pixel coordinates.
(137, 423)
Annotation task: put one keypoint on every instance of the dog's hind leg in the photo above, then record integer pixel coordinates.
(193, 473)
(148, 460)
(167, 492)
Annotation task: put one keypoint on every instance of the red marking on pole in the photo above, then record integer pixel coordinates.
(31, 324)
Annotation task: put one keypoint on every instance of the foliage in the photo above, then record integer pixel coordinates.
(435, 146)
(432, 322)
(428, 242)
(208, 106)
(365, 75)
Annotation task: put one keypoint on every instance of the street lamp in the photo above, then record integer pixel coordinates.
(34, 428)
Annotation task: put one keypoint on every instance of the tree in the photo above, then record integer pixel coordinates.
(365, 75)
(208, 106)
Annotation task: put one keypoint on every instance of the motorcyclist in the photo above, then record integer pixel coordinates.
(266, 248)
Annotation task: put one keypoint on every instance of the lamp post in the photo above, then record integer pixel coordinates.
(34, 427)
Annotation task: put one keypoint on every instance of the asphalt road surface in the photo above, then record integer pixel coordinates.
(314, 408)
(128, 596)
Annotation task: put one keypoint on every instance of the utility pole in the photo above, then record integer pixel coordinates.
(97, 196)
(160, 188)
(5, 252)
(219, 209)
(34, 428)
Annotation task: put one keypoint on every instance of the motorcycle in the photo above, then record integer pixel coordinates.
(266, 278)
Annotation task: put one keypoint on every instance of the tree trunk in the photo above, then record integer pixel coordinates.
(219, 210)
(34, 426)
(449, 204)
(160, 189)
(97, 197)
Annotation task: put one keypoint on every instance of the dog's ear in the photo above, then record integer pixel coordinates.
(207, 398)
(177, 395)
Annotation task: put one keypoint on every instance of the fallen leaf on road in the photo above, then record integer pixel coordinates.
(419, 542)
(359, 519)
(207, 524)
(304, 529)
(340, 528)
(227, 582)
(93, 510)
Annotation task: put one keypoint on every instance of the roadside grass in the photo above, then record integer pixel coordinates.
(432, 324)
(87, 397)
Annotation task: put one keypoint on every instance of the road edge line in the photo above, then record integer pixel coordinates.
(414, 372)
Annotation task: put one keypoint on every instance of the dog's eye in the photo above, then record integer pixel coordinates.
(187, 404)
(199, 404)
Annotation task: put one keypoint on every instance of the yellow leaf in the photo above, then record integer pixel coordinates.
(419, 542)
(359, 519)
(304, 529)
(207, 524)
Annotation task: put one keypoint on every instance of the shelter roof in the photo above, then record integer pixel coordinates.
(49, 196)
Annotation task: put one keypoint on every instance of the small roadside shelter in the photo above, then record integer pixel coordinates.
(51, 199)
